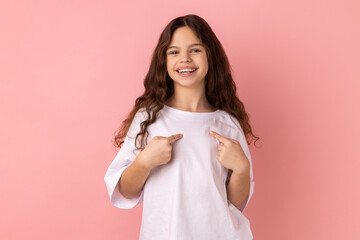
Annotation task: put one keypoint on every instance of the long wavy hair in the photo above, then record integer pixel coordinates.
(159, 87)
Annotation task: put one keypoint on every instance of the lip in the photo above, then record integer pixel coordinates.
(186, 75)
(186, 67)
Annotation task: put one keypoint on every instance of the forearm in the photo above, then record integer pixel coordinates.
(238, 187)
(133, 178)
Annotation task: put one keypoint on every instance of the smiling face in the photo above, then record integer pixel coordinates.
(186, 51)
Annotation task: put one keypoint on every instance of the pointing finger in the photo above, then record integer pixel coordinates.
(219, 137)
(175, 137)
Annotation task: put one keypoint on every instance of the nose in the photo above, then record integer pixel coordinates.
(185, 57)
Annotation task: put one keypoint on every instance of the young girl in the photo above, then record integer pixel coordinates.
(195, 175)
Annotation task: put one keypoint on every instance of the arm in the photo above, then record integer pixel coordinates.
(133, 178)
(238, 187)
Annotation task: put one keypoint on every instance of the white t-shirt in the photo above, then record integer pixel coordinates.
(186, 198)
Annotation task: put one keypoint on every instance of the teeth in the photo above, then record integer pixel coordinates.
(186, 70)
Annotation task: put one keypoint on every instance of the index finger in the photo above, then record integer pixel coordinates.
(175, 137)
(219, 137)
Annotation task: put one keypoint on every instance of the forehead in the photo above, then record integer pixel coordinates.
(183, 37)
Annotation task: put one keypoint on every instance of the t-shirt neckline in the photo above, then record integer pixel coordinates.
(190, 114)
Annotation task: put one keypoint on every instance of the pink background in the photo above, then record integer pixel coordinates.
(71, 70)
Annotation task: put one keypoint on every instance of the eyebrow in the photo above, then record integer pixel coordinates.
(194, 44)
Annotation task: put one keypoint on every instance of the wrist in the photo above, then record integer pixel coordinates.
(143, 162)
(242, 171)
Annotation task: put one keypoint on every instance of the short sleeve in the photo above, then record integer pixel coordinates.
(123, 159)
(242, 140)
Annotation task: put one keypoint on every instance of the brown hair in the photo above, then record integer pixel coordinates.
(219, 86)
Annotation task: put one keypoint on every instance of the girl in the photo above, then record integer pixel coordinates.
(195, 175)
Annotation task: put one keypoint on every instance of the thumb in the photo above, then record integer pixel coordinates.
(175, 137)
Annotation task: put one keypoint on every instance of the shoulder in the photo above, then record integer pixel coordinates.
(235, 131)
(139, 117)
(230, 121)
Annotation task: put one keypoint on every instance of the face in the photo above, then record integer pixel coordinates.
(186, 52)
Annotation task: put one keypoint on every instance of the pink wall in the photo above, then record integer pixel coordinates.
(71, 70)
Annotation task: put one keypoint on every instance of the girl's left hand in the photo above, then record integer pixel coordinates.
(231, 155)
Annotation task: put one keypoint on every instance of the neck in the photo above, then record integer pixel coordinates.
(190, 99)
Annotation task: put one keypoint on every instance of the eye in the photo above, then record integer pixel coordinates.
(174, 52)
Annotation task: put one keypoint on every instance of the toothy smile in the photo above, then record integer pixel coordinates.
(186, 70)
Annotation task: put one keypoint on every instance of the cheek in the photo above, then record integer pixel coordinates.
(203, 61)
(205, 65)
(170, 69)
(169, 65)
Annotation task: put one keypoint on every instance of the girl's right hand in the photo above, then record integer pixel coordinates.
(158, 151)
